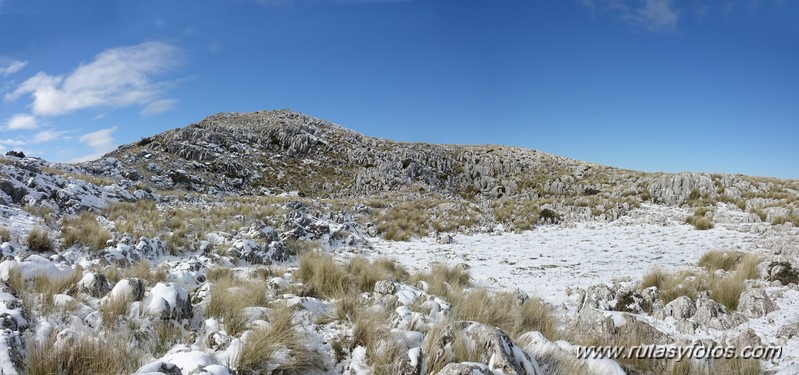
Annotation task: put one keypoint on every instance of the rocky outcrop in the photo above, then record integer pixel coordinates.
(674, 189)
(755, 303)
(490, 346)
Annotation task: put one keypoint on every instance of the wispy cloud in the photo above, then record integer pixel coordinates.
(649, 15)
(117, 77)
(100, 141)
(10, 66)
(21, 121)
(48, 135)
(158, 106)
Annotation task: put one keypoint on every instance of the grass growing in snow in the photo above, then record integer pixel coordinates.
(230, 296)
(5, 235)
(505, 311)
(86, 355)
(725, 289)
(84, 230)
(330, 279)
(280, 339)
(442, 279)
(39, 241)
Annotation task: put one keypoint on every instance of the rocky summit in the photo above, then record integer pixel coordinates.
(276, 242)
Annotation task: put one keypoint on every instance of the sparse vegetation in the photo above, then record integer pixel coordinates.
(506, 311)
(699, 220)
(720, 260)
(39, 241)
(443, 279)
(86, 355)
(725, 289)
(84, 230)
(230, 296)
(5, 235)
(46, 213)
(260, 351)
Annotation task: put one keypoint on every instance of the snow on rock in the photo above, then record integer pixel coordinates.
(188, 360)
(94, 283)
(168, 301)
(755, 303)
(159, 368)
(34, 266)
(467, 368)
(539, 347)
(12, 352)
(494, 348)
(131, 289)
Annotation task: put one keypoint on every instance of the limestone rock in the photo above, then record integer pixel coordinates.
(384, 287)
(680, 308)
(466, 369)
(755, 303)
(94, 284)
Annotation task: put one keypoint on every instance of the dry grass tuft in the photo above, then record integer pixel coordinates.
(229, 297)
(725, 289)
(442, 279)
(505, 311)
(5, 235)
(112, 309)
(324, 276)
(403, 222)
(720, 260)
(282, 339)
(39, 241)
(84, 230)
(86, 355)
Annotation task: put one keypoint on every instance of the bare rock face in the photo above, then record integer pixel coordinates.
(384, 287)
(712, 314)
(466, 369)
(680, 308)
(492, 347)
(755, 303)
(609, 327)
(674, 189)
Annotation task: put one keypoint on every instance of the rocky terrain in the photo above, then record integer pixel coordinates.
(275, 242)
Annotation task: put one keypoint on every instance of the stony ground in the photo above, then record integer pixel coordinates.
(204, 251)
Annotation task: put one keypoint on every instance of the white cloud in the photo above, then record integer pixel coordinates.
(101, 142)
(117, 77)
(8, 67)
(657, 15)
(12, 142)
(48, 135)
(651, 15)
(21, 121)
(158, 106)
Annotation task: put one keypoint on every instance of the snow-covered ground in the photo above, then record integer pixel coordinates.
(549, 260)
(552, 261)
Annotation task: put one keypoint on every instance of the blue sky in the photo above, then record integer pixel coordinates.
(654, 85)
